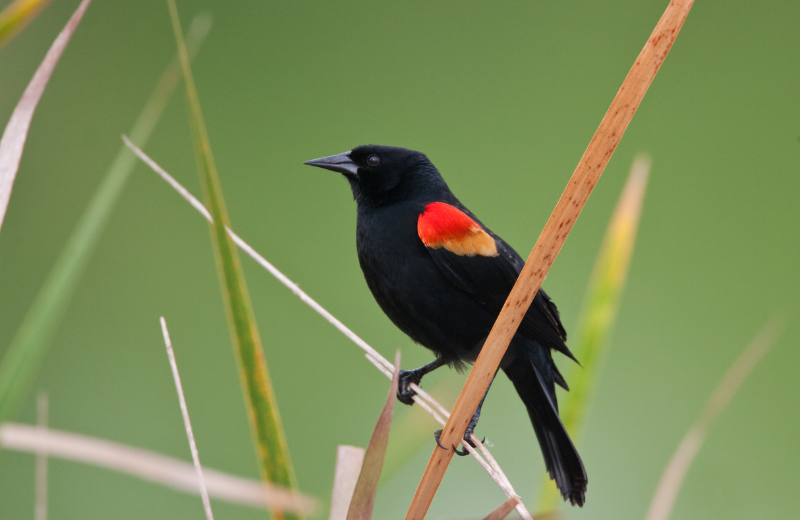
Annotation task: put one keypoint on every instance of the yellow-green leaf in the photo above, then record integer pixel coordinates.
(16, 16)
(600, 307)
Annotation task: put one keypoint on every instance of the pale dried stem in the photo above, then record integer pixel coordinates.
(675, 472)
(348, 467)
(187, 423)
(552, 238)
(423, 399)
(152, 467)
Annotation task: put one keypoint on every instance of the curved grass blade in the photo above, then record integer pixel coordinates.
(28, 346)
(600, 308)
(674, 473)
(16, 16)
(367, 486)
(270, 441)
(16, 132)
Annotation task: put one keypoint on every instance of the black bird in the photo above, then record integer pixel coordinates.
(442, 277)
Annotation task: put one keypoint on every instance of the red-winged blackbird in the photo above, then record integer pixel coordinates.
(442, 277)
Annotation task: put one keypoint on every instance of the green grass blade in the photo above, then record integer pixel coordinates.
(13, 141)
(27, 349)
(600, 308)
(367, 485)
(268, 435)
(16, 16)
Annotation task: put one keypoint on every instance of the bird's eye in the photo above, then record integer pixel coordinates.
(373, 160)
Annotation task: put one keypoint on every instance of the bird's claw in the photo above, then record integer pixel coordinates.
(438, 433)
(405, 394)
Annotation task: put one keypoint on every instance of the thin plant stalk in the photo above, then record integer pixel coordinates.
(152, 467)
(24, 355)
(271, 448)
(600, 308)
(16, 16)
(40, 512)
(187, 423)
(675, 472)
(16, 133)
(553, 236)
(422, 398)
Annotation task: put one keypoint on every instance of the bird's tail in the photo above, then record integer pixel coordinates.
(560, 456)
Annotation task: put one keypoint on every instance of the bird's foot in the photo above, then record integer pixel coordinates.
(405, 394)
(467, 438)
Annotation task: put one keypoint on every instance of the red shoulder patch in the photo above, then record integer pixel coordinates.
(442, 225)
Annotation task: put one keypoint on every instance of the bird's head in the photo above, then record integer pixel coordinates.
(381, 175)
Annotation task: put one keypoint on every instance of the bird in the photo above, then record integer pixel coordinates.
(442, 277)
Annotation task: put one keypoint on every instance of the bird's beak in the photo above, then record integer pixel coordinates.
(339, 163)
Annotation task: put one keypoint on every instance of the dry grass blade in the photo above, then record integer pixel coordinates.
(423, 399)
(555, 232)
(672, 478)
(600, 308)
(16, 132)
(152, 467)
(24, 355)
(348, 467)
(367, 485)
(271, 448)
(187, 423)
(503, 509)
(16, 16)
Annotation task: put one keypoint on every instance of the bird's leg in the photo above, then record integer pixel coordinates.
(406, 395)
(470, 427)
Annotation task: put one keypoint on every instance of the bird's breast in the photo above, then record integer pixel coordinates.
(412, 290)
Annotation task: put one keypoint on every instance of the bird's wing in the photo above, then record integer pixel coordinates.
(480, 263)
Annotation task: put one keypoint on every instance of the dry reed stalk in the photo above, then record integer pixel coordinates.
(187, 423)
(423, 399)
(555, 232)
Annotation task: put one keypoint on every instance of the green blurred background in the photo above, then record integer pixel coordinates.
(503, 97)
